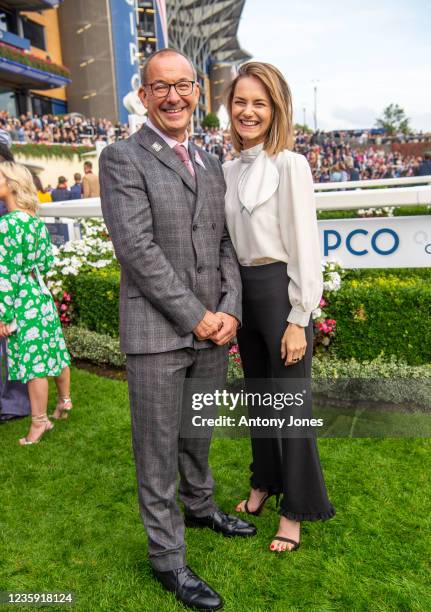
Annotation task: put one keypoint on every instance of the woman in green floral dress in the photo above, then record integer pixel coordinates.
(28, 316)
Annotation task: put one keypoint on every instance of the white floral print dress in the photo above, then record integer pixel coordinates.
(37, 348)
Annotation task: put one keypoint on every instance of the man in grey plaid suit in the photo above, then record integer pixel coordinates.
(180, 304)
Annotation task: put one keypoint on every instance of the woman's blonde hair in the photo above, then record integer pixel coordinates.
(20, 183)
(280, 133)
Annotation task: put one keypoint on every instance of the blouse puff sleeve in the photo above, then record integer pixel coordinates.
(9, 279)
(299, 233)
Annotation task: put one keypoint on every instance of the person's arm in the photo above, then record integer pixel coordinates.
(231, 288)
(9, 278)
(128, 217)
(299, 232)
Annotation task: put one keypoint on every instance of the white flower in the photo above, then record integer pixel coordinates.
(38, 368)
(317, 312)
(23, 217)
(32, 334)
(5, 285)
(46, 308)
(31, 314)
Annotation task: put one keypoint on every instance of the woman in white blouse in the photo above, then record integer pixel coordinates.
(271, 217)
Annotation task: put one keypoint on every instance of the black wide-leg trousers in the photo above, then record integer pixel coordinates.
(285, 465)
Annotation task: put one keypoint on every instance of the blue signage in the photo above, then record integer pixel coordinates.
(332, 241)
(34, 76)
(124, 41)
(161, 24)
(16, 41)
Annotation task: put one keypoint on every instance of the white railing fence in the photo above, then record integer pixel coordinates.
(344, 196)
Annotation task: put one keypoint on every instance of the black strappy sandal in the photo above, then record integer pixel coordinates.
(260, 507)
(282, 539)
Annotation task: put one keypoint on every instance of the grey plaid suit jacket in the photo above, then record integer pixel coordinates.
(170, 238)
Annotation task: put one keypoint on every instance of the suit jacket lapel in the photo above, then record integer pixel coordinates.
(200, 180)
(151, 141)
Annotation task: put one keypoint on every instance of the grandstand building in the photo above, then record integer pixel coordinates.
(32, 75)
(105, 44)
(206, 31)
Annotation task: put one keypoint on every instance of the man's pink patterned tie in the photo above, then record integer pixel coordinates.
(182, 153)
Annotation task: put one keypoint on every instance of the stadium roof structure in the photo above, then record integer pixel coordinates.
(29, 5)
(206, 30)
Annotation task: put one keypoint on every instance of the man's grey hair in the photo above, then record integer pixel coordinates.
(144, 72)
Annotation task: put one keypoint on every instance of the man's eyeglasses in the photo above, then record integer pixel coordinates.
(159, 89)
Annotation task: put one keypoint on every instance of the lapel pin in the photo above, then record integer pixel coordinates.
(157, 146)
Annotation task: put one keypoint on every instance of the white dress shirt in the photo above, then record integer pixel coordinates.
(271, 216)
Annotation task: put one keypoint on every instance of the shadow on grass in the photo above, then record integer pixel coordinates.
(70, 522)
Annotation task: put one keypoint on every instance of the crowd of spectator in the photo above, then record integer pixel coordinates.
(72, 129)
(333, 156)
(336, 156)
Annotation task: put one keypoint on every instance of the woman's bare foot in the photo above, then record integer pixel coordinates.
(286, 529)
(254, 501)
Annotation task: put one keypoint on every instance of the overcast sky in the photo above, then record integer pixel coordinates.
(363, 53)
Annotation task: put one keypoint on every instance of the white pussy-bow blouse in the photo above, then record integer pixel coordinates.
(271, 216)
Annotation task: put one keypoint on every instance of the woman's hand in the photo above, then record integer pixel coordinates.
(293, 344)
(4, 330)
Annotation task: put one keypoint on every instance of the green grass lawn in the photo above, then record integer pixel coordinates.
(69, 521)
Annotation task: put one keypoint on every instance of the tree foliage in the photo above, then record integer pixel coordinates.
(303, 128)
(394, 120)
(211, 121)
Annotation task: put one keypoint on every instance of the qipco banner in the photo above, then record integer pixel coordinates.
(124, 40)
(390, 242)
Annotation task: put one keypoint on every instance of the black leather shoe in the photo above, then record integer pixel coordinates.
(222, 523)
(191, 590)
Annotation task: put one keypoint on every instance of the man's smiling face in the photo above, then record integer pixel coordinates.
(172, 113)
